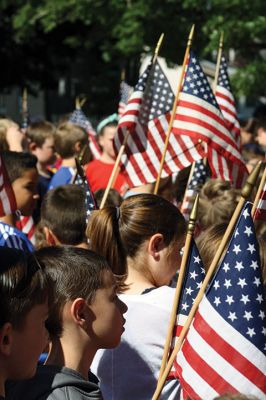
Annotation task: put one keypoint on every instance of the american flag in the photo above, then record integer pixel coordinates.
(147, 117)
(199, 116)
(79, 118)
(226, 101)
(27, 226)
(199, 176)
(260, 212)
(193, 279)
(82, 181)
(225, 348)
(125, 93)
(7, 197)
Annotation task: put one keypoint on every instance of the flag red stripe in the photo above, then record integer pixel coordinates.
(229, 353)
(213, 379)
(204, 124)
(225, 97)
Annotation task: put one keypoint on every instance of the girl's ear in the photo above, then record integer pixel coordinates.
(77, 147)
(155, 245)
(6, 339)
(50, 237)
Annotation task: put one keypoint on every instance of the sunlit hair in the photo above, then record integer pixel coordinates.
(74, 273)
(66, 136)
(5, 124)
(217, 202)
(118, 233)
(37, 132)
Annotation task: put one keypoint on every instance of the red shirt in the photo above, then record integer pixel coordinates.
(98, 174)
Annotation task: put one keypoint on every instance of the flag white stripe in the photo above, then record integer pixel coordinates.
(232, 336)
(220, 365)
(200, 386)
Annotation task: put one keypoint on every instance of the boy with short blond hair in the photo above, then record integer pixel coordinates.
(24, 298)
(86, 315)
(70, 141)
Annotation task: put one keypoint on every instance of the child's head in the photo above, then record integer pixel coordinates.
(23, 175)
(261, 132)
(113, 198)
(85, 296)
(70, 140)
(107, 129)
(7, 129)
(23, 311)
(217, 202)
(41, 141)
(144, 227)
(63, 215)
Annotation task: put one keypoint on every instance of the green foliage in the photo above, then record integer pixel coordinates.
(110, 34)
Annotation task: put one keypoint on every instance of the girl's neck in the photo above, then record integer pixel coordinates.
(105, 158)
(137, 281)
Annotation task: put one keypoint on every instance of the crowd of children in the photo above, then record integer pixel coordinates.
(96, 297)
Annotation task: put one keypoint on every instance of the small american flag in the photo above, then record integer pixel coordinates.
(225, 348)
(260, 212)
(226, 101)
(125, 93)
(7, 197)
(199, 176)
(147, 117)
(79, 118)
(199, 116)
(82, 181)
(27, 226)
(193, 279)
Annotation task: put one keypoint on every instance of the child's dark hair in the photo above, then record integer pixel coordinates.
(75, 272)
(119, 232)
(23, 284)
(17, 162)
(38, 131)
(63, 211)
(66, 136)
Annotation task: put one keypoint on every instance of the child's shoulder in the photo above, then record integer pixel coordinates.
(159, 297)
(53, 383)
(62, 177)
(14, 238)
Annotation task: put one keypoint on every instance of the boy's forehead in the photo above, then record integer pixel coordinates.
(108, 279)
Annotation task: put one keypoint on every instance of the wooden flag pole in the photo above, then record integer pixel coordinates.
(24, 101)
(122, 148)
(174, 109)
(262, 183)
(190, 232)
(245, 193)
(218, 63)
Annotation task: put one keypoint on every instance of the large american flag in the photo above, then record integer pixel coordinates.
(226, 101)
(193, 279)
(198, 178)
(125, 93)
(79, 118)
(260, 212)
(225, 348)
(147, 117)
(199, 116)
(7, 197)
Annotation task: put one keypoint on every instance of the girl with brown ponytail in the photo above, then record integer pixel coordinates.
(141, 240)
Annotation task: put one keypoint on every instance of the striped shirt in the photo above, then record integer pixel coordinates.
(14, 238)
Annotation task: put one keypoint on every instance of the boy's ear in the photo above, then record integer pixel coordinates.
(6, 339)
(155, 245)
(32, 146)
(77, 147)
(80, 312)
(50, 237)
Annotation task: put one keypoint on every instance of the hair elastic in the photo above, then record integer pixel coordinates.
(106, 121)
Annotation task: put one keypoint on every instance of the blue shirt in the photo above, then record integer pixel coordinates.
(62, 177)
(14, 238)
